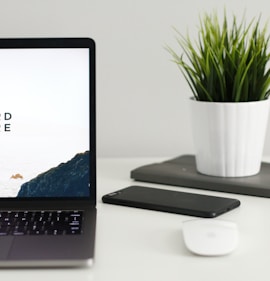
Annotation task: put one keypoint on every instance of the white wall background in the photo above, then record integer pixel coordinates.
(142, 99)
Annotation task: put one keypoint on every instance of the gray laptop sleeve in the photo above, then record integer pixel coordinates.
(181, 171)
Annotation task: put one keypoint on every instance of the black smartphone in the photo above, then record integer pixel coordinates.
(184, 203)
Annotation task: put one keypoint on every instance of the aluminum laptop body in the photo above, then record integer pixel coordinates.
(47, 152)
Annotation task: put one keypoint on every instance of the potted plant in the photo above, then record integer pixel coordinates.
(228, 74)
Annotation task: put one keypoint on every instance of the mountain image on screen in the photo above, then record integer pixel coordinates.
(70, 179)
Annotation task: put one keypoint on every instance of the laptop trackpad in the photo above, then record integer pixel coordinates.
(5, 246)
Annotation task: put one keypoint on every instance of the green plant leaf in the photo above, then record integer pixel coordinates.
(226, 63)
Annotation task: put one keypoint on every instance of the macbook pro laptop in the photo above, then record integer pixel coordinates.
(47, 152)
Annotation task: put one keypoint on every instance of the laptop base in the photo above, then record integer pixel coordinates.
(46, 264)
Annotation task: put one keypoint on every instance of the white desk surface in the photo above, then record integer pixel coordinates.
(135, 244)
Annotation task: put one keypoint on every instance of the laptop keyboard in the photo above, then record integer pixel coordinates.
(40, 222)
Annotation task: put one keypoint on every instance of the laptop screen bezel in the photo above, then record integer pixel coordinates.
(35, 43)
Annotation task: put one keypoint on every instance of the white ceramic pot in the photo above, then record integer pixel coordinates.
(229, 137)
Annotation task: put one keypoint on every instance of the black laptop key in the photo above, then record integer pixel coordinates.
(41, 223)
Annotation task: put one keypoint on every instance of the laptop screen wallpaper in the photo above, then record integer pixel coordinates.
(44, 122)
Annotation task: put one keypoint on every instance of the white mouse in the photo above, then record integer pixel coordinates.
(210, 237)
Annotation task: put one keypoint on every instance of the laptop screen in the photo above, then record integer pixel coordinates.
(44, 121)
